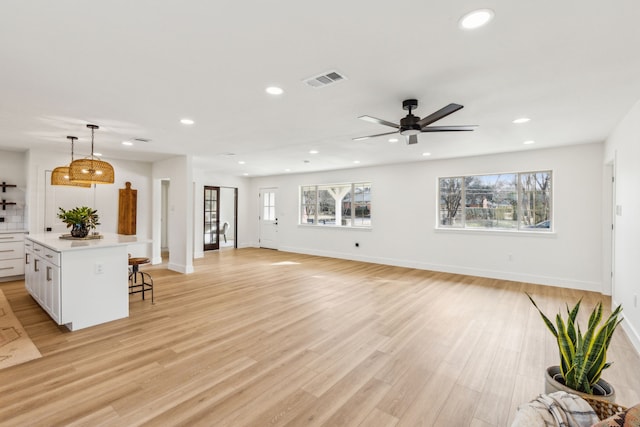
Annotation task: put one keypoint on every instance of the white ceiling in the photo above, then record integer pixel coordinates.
(137, 67)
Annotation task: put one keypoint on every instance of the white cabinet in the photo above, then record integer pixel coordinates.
(11, 254)
(42, 277)
(79, 283)
(51, 284)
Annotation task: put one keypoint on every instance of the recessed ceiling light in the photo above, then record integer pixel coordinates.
(426, 154)
(521, 120)
(241, 162)
(97, 154)
(313, 152)
(287, 170)
(245, 174)
(393, 140)
(529, 142)
(187, 121)
(274, 90)
(127, 143)
(356, 161)
(476, 19)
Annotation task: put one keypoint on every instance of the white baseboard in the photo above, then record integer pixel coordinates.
(180, 268)
(456, 269)
(632, 333)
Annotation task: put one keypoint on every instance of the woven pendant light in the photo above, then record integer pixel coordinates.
(91, 170)
(60, 175)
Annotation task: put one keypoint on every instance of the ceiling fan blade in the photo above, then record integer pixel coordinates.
(373, 136)
(441, 113)
(412, 139)
(448, 128)
(379, 121)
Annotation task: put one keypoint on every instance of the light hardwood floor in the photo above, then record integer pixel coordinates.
(265, 338)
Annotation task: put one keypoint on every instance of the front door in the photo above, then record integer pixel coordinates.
(268, 218)
(211, 218)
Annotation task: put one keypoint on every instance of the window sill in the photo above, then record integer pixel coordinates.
(497, 232)
(334, 227)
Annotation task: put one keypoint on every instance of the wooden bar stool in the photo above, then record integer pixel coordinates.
(145, 283)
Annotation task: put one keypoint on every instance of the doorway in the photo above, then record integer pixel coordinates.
(268, 218)
(211, 218)
(220, 217)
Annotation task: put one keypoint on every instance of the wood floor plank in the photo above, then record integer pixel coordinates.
(266, 338)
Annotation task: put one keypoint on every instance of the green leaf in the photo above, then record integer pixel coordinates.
(582, 357)
(545, 318)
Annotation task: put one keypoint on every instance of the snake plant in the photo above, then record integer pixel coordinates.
(583, 357)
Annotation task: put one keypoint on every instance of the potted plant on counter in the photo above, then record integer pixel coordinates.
(583, 357)
(80, 220)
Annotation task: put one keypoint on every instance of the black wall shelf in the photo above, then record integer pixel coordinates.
(4, 186)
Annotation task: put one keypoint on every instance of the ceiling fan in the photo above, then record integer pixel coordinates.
(410, 125)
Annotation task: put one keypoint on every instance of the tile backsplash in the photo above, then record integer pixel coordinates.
(13, 218)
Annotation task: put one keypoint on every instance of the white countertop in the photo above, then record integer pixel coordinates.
(53, 241)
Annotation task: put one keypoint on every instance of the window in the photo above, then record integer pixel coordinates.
(510, 201)
(338, 205)
(269, 206)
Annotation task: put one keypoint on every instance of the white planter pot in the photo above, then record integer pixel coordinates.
(602, 389)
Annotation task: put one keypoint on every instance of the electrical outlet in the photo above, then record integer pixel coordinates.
(99, 268)
(357, 245)
(1, 219)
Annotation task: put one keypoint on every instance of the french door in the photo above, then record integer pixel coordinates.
(211, 218)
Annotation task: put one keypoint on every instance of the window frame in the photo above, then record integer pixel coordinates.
(352, 217)
(519, 207)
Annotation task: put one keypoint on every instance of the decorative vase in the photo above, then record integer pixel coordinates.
(554, 382)
(79, 230)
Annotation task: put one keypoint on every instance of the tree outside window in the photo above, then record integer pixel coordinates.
(510, 201)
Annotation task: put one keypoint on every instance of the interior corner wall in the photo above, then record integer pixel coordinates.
(623, 148)
(178, 171)
(404, 216)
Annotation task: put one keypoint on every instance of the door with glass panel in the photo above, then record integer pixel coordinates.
(211, 218)
(268, 219)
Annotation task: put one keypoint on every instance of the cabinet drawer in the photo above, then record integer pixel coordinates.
(11, 267)
(38, 249)
(11, 250)
(11, 237)
(52, 256)
(28, 245)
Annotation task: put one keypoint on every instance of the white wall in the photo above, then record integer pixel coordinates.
(246, 232)
(404, 217)
(12, 171)
(623, 146)
(178, 171)
(104, 197)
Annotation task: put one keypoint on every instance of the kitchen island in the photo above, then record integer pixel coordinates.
(79, 283)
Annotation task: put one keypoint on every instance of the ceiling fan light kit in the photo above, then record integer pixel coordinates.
(410, 125)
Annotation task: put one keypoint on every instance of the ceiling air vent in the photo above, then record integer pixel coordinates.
(145, 140)
(325, 79)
